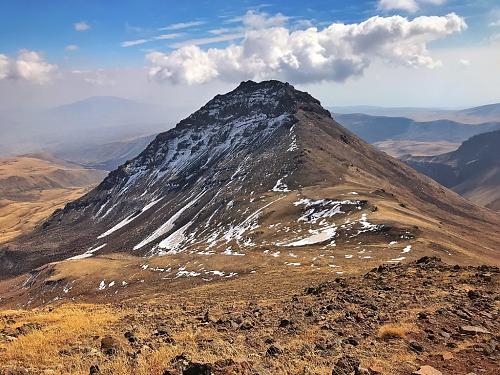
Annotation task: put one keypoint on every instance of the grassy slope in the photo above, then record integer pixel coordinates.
(33, 186)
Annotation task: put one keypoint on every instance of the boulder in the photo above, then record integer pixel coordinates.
(274, 351)
(471, 330)
(473, 294)
(110, 345)
(427, 370)
(416, 347)
(446, 356)
(375, 370)
(130, 336)
(246, 325)
(198, 369)
(346, 365)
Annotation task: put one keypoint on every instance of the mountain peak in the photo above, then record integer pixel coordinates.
(252, 85)
(271, 98)
(261, 168)
(274, 88)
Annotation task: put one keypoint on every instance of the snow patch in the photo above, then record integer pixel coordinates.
(102, 285)
(281, 186)
(293, 144)
(169, 224)
(322, 208)
(129, 219)
(315, 238)
(229, 251)
(88, 253)
(407, 249)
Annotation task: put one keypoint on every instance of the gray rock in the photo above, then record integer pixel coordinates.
(274, 351)
(110, 346)
(471, 330)
(427, 370)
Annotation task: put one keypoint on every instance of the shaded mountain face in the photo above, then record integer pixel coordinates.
(472, 171)
(261, 170)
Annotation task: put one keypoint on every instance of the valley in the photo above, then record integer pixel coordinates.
(398, 149)
(34, 186)
(473, 170)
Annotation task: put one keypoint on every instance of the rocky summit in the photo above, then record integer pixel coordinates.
(259, 170)
(258, 236)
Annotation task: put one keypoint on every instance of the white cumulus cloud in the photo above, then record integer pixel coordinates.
(28, 66)
(464, 63)
(406, 5)
(81, 26)
(410, 6)
(4, 66)
(256, 20)
(335, 53)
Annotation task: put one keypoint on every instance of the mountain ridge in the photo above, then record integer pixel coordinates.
(470, 115)
(381, 128)
(262, 168)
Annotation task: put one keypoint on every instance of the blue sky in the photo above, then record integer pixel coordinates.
(49, 25)
(83, 47)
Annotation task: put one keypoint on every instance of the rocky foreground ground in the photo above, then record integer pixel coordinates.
(425, 318)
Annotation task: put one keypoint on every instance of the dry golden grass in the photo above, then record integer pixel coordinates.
(187, 342)
(24, 174)
(396, 330)
(17, 217)
(61, 327)
(32, 187)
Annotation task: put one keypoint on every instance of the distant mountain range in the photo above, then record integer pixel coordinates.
(86, 123)
(474, 115)
(382, 128)
(103, 111)
(472, 171)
